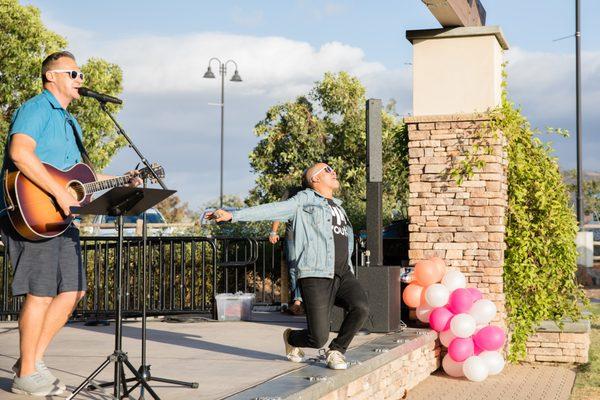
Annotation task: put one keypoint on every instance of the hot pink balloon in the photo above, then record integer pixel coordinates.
(461, 348)
(490, 338)
(476, 349)
(439, 319)
(475, 293)
(460, 301)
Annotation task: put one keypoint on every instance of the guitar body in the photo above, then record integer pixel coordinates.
(36, 215)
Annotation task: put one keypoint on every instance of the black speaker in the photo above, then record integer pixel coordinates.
(382, 286)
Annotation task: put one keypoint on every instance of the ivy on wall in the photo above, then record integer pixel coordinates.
(540, 260)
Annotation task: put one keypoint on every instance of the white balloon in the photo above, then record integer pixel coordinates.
(437, 295)
(454, 280)
(446, 337)
(475, 369)
(423, 312)
(451, 367)
(483, 311)
(462, 325)
(493, 360)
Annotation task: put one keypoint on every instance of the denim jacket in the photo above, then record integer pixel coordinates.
(310, 216)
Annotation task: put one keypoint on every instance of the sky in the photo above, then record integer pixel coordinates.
(282, 47)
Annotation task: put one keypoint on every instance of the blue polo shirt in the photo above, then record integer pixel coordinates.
(51, 126)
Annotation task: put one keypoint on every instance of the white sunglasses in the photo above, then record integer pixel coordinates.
(326, 168)
(72, 73)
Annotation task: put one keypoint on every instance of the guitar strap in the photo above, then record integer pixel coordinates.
(84, 154)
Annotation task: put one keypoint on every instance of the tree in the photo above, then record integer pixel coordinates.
(174, 210)
(328, 124)
(591, 191)
(24, 43)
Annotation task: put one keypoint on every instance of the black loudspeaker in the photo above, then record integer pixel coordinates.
(382, 286)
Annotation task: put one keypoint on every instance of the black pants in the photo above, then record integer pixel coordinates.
(319, 295)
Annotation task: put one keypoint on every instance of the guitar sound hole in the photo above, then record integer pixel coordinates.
(76, 190)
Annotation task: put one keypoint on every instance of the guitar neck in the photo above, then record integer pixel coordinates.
(97, 186)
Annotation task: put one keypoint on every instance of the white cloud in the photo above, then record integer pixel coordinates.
(270, 66)
(167, 96)
(545, 82)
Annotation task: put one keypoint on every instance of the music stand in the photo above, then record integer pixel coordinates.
(118, 202)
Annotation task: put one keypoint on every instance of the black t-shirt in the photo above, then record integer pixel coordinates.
(339, 226)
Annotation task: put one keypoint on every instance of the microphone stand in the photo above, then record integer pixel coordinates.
(144, 368)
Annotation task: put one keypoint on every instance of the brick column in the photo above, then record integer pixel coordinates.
(464, 224)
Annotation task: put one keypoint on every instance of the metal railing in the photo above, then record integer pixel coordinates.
(183, 275)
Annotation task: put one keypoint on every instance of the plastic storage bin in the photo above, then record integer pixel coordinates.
(234, 307)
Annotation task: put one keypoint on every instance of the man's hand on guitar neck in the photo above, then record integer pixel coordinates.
(135, 179)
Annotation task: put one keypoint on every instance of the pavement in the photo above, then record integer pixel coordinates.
(223, 357)
(522, 382)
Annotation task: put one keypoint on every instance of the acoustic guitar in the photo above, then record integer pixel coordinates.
(35, 214)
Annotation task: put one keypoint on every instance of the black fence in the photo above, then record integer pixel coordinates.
(183, 274)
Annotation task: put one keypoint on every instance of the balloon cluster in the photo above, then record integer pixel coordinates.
(461, 316)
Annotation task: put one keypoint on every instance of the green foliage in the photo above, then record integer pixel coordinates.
(591, 191)
(24, 43)
(328, 124)
(541, 255)
(540, 260)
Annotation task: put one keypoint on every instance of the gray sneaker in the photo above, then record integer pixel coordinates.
(40, 367)
(336, 360)
(34, 385)
(294, 354)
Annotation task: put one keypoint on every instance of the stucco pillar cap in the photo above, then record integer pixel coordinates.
(465, 31)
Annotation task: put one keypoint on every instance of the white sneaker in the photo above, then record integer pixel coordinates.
(34, 385)
(40, 367)
(294, 354)
(336, 360)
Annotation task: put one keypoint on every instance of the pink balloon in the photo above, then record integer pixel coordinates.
(490, 338)
(475, 294)
(439, 319)
(460, 301)
(476, 349)
(461, 348)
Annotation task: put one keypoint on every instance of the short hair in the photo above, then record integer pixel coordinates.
(47, 63)
(305, 180)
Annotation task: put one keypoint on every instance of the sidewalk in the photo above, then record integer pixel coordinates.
(522, 382)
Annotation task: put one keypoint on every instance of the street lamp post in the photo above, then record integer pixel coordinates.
(579, 197)
(235, 78)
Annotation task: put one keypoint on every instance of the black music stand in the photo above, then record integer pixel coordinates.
(118, 202)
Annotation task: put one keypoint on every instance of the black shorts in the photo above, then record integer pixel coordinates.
(45, 268)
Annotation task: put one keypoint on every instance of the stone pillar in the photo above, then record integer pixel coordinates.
(463, 224)
(456, 80)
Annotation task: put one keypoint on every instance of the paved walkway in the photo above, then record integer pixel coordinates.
(518, 382)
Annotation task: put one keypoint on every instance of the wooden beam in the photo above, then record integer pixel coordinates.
(454, 13)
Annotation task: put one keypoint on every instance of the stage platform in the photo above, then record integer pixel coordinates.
(225, 358)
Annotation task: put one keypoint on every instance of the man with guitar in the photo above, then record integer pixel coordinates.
(48, 272)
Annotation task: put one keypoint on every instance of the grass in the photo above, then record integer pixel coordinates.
(587, 383)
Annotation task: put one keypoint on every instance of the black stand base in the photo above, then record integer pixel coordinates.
(144, 372)
(122, 361)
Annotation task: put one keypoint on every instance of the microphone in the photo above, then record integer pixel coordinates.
(103, 98)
